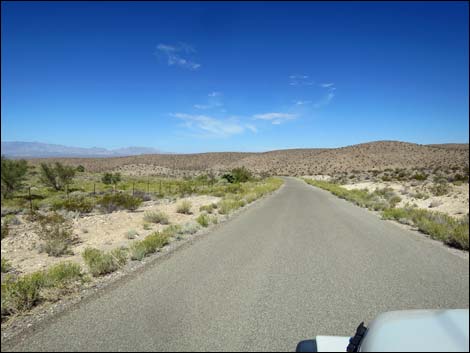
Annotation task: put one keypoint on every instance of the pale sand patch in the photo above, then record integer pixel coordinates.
(455, 203)
(102, 231)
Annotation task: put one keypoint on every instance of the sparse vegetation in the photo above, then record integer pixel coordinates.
(184, 207)
(56, 233)
(203, 219)
(452, 231)
(148, 246)
(6, 266)
(56, 176)
(100, 263)
(23, 293)
(13, 175)
(113, 202)
(156, 217)
(111, 178)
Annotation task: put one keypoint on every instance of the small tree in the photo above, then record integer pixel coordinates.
(111, 178)
(13, 174)
(241, 175)
(56, 176)
(80, 169)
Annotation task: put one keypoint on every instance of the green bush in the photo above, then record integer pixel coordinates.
(99, 263)
(62, 274)
(156, 217)
(80, 169)
(208, 208)
(111, 178)
(420, 176)
(241, 175)
(203, 219)
(57, 175)
(119, 201)
(23, 293)
(440, 189)
(148, 246)
(13, 174)
(77, 203)
(5, 230)
(56, 233)
(184, 207)
(6, 266)
(228, 205)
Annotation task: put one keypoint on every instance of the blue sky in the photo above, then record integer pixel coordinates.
(196, 77)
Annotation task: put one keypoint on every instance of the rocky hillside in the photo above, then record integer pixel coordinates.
(367, 156)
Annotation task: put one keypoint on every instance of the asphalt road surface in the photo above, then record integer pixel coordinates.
(297, 264)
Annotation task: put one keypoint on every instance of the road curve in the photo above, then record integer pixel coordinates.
(297, 264)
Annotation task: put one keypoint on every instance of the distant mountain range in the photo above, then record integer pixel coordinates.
(18, 149)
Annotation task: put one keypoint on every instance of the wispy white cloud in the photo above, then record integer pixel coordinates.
(174, 53)
(207, 126)
(300, 80)
(330, 94)
(275, 118)
(214, 101)
(302, 102)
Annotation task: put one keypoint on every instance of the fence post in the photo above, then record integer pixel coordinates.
(133, 184)
(94, 189)
(67, 190)
(148, 185)
(30, 200)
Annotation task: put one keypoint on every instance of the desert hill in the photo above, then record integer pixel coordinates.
(378, 155)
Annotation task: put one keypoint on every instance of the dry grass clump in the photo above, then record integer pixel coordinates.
(184, 207)
(156, 217)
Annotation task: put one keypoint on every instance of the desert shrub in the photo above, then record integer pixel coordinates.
(56, 233)
(440, 189)
(5, 230)
(156, 217)
(131, 234)
(98, 262)
(78, 203)
(62, 274)
(119, 255)
(6, 266)
(241, 175)
(227, 206)
(149, 245)
(142, 195)
(80, 169)
(439, 226)
(113, 202)
(203, 219)
(184, 207)
(228, 177)
(420, 176)
(208, 208)
(111, 178)
(189, 228)
(171, 230)
(147, 226)
(56, 176)
(250, 197)
(13, 174)
(23, 293)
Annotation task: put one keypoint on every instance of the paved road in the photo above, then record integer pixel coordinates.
(297, 264)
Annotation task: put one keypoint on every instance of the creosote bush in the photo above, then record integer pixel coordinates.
(119, 201)
(100, 263)
(23, 293)
(156, 217)
(149, 245)
(184, 207)
(56, 233)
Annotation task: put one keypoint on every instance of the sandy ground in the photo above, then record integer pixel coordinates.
(102, 231)
(455, 203)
